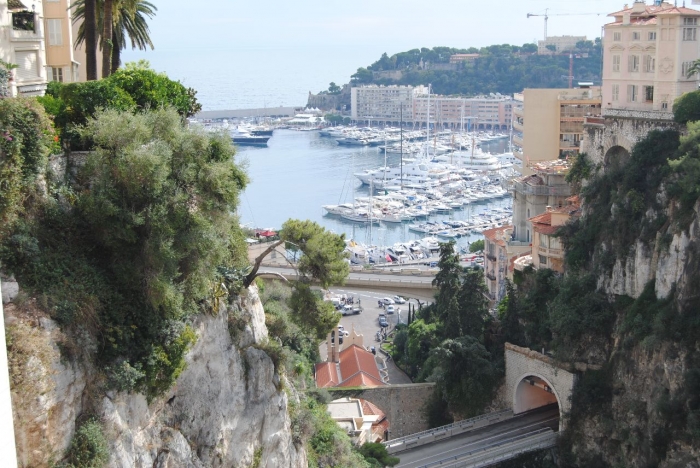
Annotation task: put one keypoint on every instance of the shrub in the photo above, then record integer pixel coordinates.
(88, 449)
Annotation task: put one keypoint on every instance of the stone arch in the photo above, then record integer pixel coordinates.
(529, 395)
(616, 157)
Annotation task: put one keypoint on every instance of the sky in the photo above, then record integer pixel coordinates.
(382, 25)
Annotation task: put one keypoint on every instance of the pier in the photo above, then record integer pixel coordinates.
(270, 112)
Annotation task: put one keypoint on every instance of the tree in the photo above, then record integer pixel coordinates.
(130, 25)
(464, 374)
(477, 246)
(107, 39)
(377, 455)
(90, 25)
(687, 106)
(333, 88)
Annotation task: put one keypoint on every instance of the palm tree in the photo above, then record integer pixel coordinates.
(129, 25)
(89, 27)
(694, 68)
(107, 44)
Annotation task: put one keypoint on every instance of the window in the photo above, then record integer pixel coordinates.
(57, 74)
(634, 63)
(543, 240)
(632, 93)
(685, 67)
(649, 93)
(690, 21)
(649, 63)
(55, 29)
(664, 105)
(543, 260)
(636, 35)
(689, 33)
(616, 63)
(617, 37)
(652, 36)
(616, 92)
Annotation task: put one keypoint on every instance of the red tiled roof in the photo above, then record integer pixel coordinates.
(326, 375)
(371, 408)
(533, 179)
(354, 359)
(664, 9)
(491, 235)
(545, 229)
(544, 218)
(360, 379)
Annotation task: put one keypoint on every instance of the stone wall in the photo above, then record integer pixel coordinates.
(622, 128)
(523, 362)
(404, 405)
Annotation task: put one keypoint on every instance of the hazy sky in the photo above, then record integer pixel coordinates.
(386, 25)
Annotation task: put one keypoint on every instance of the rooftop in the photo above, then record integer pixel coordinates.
(326, 375)
(556, 166)
(665, 8)
(498, 235)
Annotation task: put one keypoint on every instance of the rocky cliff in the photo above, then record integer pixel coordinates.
(228, 408)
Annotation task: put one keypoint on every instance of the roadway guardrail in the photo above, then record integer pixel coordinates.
(445, 432)
(499, 451)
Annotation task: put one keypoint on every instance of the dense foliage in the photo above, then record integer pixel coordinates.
(133, 88)
(447, 343)
(88, 448)
(502, 69)
(129, 249)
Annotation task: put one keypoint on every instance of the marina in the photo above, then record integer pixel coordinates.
(299, 172)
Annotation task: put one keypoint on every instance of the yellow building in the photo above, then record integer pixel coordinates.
(550, 122)
(60, 59)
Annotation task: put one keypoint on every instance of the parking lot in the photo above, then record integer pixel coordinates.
(367, 323)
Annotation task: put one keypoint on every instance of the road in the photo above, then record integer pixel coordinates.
(373, 280)
(544, 417)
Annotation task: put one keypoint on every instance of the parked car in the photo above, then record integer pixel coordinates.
(389, 309)
(387, 301)
(399, 300)
(382, 321)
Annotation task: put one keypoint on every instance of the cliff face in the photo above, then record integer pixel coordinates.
(227, 407)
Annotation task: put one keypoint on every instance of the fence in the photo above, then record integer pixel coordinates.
(445, 432)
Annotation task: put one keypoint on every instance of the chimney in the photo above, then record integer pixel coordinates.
(625, 18)
(639, 6)
(548, 209)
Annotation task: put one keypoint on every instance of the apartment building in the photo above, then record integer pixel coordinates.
(384, 104)
(496, 261)
(547, 249)
(482, 112)
(648, 50)
(22, 44)
(558, 43)
(60, 34)
(549, 122)
(457, 58)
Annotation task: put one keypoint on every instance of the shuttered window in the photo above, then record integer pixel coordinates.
(55, 30)
(28, 65)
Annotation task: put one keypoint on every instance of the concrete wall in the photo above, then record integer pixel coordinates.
(522, 363)
(8, 453)
(240, 113)
(404, 405)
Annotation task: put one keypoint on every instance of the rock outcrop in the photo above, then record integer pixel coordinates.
(227, 408)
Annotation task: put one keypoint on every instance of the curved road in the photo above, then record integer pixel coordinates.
(545, 417)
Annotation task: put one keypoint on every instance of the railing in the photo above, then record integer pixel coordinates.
(490, 275)
(544, 190)
(445, 432)
(555, 253)
(500, 451)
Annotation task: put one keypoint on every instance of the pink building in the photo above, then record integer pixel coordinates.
(648, 50)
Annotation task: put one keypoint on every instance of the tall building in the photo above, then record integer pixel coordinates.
(60, 59)
(648, 50)
(22, 44)
(550, 122)
(559, 44)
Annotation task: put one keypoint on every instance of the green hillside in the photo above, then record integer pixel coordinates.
(500, 68)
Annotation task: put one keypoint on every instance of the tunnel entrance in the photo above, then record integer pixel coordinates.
(533, 392)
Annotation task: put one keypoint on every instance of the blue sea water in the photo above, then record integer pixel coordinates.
(300, 171)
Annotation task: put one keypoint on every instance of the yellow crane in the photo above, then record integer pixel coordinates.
(547, 15)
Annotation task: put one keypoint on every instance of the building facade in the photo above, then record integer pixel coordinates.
(550, 122)
(477, 113)
(22, 44)
(382, 103)
(60, 58)
(559, 44)
(547, 249)
(648, 50)
(496, 261)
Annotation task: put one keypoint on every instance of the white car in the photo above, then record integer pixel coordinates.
(389, 309)
(399, 300)
(387, 301)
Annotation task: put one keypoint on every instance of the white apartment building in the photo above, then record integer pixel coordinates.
(382, 103)
(478, 113)
(648, 50)
(560, 43)
(22, 44)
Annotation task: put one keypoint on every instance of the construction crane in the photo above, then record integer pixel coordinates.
(547, 15)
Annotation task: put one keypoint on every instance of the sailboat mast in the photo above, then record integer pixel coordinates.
(427, 135)
(401, 143)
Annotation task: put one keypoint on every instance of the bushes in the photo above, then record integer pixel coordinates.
(88, 449)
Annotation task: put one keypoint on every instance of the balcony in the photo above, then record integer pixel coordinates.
(25, 27)
(517, 140)
(490, 275)
(541, 190)
(518, 112)
(491, 257)
(564, 144)
(517, 126)
(551, 253)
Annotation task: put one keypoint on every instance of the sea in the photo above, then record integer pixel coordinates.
(299, 171)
